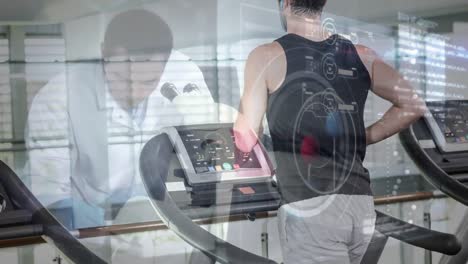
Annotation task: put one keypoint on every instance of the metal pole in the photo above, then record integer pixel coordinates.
(427, 224)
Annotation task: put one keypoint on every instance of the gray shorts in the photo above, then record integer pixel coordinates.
(327, 229)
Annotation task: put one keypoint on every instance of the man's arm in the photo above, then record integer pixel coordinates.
(388, 84)
(253, 102)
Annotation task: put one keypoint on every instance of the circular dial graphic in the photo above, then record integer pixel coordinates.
(214, 147)
(330, 69)
(328, 29)
(324, 139)
(213, 141)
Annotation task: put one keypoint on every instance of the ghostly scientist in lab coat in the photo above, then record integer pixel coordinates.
(87, 126)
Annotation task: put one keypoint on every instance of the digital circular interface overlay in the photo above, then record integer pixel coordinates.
(328, 29)
(324, 136)
(327, 140)
(329, 67)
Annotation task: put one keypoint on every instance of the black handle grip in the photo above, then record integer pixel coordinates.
(16, 217)
(52, 228)
(20, 231)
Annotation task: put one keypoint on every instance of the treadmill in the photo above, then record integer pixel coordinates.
(155, 167)
(438, 145)
(22, 215)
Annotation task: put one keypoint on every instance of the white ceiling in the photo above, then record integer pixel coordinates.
(53, 11)
(56, 11)
(387, 10)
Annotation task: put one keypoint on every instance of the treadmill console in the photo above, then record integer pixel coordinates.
(442, 134)
(216, 171)
(214, 150)
(208, 154)
(448, 123)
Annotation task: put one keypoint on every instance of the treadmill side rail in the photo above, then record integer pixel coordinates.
(62, 238)
(417, 236)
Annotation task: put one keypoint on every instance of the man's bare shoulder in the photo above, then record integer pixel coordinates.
(367, 54)
(266, 53)
(365, 50)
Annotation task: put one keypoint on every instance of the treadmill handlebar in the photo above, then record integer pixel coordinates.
(430, 170)
(22, 231)
(50, 226)
(417, 236)
(15, 217)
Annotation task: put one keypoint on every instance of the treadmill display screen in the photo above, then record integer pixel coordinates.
(214, 150)
(452, 119)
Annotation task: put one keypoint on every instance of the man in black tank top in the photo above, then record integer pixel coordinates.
(313, 87)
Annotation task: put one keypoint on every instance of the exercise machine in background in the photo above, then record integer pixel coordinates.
(438, 145)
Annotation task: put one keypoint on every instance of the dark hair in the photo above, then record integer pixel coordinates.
(139, 32)
(307, 6)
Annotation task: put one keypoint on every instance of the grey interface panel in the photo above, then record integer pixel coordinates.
(214, 150)
(452, 120)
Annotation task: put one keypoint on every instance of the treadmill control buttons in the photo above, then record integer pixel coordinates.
(451, 117)
(215, 148)
(227, 166)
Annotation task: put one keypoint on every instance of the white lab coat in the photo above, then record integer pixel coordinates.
(83, 145)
